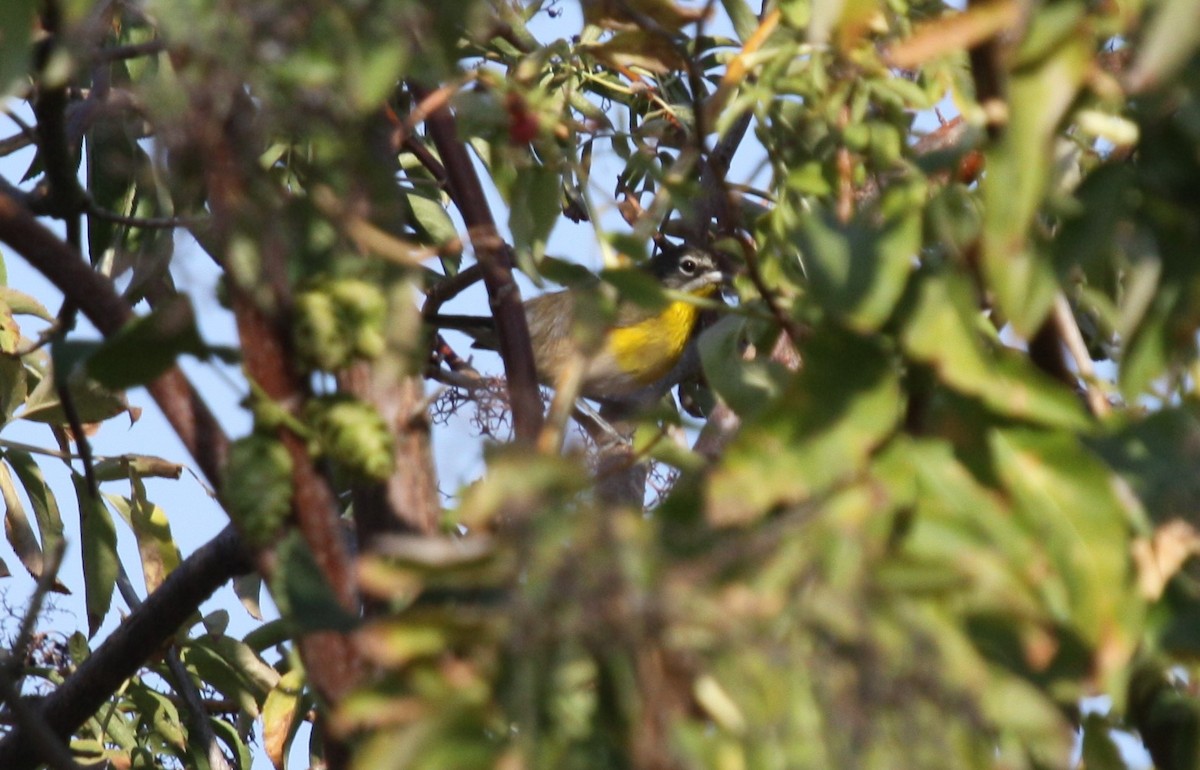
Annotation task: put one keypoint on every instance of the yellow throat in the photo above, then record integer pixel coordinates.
(648, 349)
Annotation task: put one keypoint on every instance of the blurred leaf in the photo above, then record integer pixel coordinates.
(941, 333)
(1099, 751)
(14, 386)
(1018, 166)
(1069, 503)
(742, 17)
(301, 592)
(646, 14)
(844, 402)
(100, 560)
(1166, 43)
(248, 589)
(93, 402)
(857, 271)
(431, 220)
(280, 717)
(747, 386)
(396, 643)
(534, 208)
(1157, 456)
(646, 49)
(16, 43)
(954, 32)
(518, 484)
(147, 346)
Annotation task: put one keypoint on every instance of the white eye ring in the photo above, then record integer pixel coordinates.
(687, 265)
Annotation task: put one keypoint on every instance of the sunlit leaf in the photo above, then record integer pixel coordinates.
(279, 717)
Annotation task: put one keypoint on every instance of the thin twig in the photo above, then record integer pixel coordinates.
(1072, 339)
(146, 222)
(450, 287)
(125, 650)
(48, 745)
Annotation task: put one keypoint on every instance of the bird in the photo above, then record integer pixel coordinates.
(637, 349)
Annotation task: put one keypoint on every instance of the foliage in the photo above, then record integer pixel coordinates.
(943, 489)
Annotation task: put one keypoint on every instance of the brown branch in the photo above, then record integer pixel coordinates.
(447, 289)
(333, 663)
(516, 350)
(96, 298)
(121, 655)
(408, 500)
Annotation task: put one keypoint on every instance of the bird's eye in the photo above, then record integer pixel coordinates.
(687, 265)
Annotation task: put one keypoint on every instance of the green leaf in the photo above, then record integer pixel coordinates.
(17, 528)
(1166, 43)
(843, 404)
(93, 402)
(14, 386)
(940, 333)
(100, 561)
(280, 717)
(156, 546)
(534, 209)
(747, 386)
(10, 332)
(1157, 455)
(217, 671)
(1100, 752)
(743, 18)
(16, 43)
(1018, 172)
(45, 506)
(21, 303)
(1068, 501)
(114, 165)
(301, 592)
(858, 271)
(136, 466)
(228, 733)
(159, 713)
(148, 346)
(430, 219)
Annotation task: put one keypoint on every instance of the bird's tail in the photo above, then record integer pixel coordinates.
(482, 329)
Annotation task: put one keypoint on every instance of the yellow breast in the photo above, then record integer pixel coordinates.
(647, 350)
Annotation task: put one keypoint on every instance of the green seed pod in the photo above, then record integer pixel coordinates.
(257, 487)
(362, 314)
(353, 435)
(318, 332)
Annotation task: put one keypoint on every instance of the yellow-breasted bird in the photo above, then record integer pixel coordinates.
(638, 348)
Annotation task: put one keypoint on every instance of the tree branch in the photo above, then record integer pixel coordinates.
(494, 259)
(123, 653)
